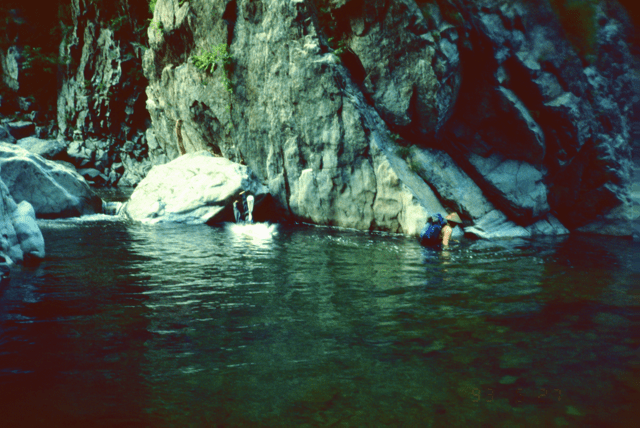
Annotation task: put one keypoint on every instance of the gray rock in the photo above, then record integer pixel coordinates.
(5, 135)
(452, 184)
(547, 226)
(517, 187)
(25, 104)
(21, 237)
(9, 243)
(102, 91)
(495, 225)
(11, 68)
(52, 190)
(534, 129)
(112, 207)
(28, 232)
(93, 175)
(623, 220)
(48, 149)
(195, 188)
(21, 129)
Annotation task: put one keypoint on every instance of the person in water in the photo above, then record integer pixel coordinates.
(243, 208)
(438, 230)
(447, 230)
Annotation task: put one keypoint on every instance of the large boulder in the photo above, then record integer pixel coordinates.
(21, 129)
(52, 189)
(48, 149)
(195, 188)
(21, 237)
(5, 135)
(28, 232)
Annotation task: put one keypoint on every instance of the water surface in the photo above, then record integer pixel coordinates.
(175, 326)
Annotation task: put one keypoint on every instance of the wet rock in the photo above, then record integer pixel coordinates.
(53, 190)
(195, 188)
(21, 237)
(21, 129)
(102, 90)
(453, 185)
(11, 68)
(9, 243)
(530, 125)
(496, 225)
(5, 135)
(93, 176)
(624, 220)
(48, 149)
(517, 187)
(112, 207)
(28, 232)
(547, 226)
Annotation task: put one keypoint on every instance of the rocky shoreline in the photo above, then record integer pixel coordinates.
(369, 115)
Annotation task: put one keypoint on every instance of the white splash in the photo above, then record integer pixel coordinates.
(259, 234)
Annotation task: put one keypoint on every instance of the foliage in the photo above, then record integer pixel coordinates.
(208, 61)
(117, 22)
(34, 60)
(156, 26)
(403, 151)
(152, 5)
(335, 25)
(415, 166)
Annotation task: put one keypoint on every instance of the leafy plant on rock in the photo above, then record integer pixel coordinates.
(208, 61)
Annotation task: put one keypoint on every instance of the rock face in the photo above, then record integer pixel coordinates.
(194, 189)
(102, 93)
(374, 114)
(52, 189)
(48, 149)
(101, 103)
(21, 237)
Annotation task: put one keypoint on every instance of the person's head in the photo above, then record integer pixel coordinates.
(453, 218)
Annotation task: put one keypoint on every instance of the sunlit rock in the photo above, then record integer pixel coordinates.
(20, 235)
(48, 149)
(53, 190)
(194, 188)
(27, 231)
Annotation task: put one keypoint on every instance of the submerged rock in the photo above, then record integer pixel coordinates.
(195, 188)
(53, 190)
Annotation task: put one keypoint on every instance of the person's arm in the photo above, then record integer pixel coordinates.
(446, 235)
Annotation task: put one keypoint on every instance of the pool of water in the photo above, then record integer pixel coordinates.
(177, 326)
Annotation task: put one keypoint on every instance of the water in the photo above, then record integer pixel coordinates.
(197, 326)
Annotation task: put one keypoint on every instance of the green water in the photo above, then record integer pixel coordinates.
(178, 326)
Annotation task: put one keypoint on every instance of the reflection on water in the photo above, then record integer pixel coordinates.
(170, 325)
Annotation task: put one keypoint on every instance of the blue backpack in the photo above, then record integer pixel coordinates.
(431, 231)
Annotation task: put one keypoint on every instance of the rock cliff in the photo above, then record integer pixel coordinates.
(371, 114)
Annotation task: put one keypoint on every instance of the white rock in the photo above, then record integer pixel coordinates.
(194, 188)
(27, 230)
(53, 190)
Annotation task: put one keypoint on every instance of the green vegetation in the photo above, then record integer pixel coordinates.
(334, 24)
(403, 151)
(208, 61)
(152, 5)
(415, 166)
(156, 26)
